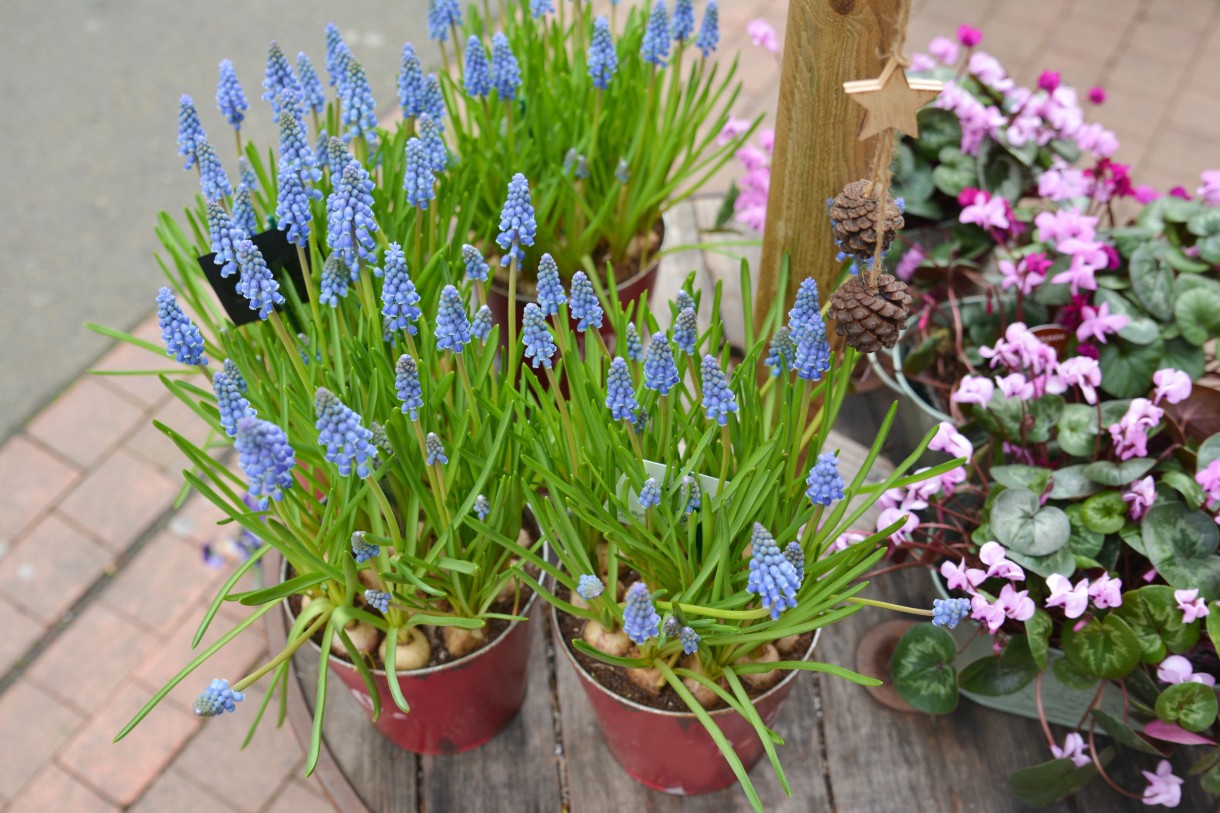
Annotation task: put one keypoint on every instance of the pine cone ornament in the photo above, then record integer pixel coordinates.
(854, 217)
(870, 321)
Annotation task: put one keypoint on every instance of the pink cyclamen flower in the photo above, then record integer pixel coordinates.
(1083, 372)
(921, 63)
(911, 258)
(944, 49)
(1015, 386)
(1073, 600)
(950, 480)
(1140, 496)
(1063, 224)
(1079, 275)
(1073, 749)
(1177, 669)
(1130, 435)
(1145, 194)
(1099, 322)
(732, 128)
(973, 389)
(1097, 95)
(1097, 139)
(891, 515)
(1049, 80)
(1210, 190)
(1016, 604)
(960, 577)
(983, 611)
(766, 140)
(1163, 787)
(948, 439)
(1192, 606)
(846, 540)
(1172, 385)
(988, 70)
(987, 212)
(969, 35)
(1106, 591)
(1020, 275)
(752, 158)
(1209, 480)
(1062, 182)
(992, 554)
(763, 35)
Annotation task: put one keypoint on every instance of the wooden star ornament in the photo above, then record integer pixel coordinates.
(891, 101)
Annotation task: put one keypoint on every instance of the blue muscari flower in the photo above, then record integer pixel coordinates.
(434, 101)
(806, 314)
(245, 174)
(949, 612)
(335, 277)
(505, 72)
(670, 627)
(589, 587)
(690, 640)
(683, 24)
(718, 399)
(363, 550)
(582, 167)
(583, 304)
(435, 449)
(640, 422)
(337, 55)
(650, 493)
(640, 618)
(603, 59)
(434, 143)
(234, 374)
(660, 372)
(410, 83)
(480, 325)
(349, 213)
(812, 356)
(321, 150)
(477, 80)
(539, 345)
(225, 236)
(686, 331)
(620, 393)
(217, 699)
(452, 325)
(824, 481)
(359, 109)
(517, 224)
(292, 213)
(243, 210)
(782, 355)
(312, 94)
(295, 151)
(795, 555)
(772, 577)
(233, 407)
(441, 15)
(382, 441)
(709, 31)
(182, 339)
(256, 283)
(406, 382)
(337, 158)
(622, 172)
(230, 98)
(189, 130)
(278, 79)
(569, 160)
(476, 266)
(655, 47)
(684, 300)
(635, 348)
(540, 7)
(266, 458)
(693, 495)
(550, 289)
(344, 436)
(482, 507)
(417, 178)
(292, 104)
(400, 302)
(211, 173)
(379, 600)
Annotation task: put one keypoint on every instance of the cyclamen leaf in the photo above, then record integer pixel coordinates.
(1123, 734)
(996, 676)
(1021, 524)
(1154, 617)
(1182, 546)
(1126, 368)
(1118, 474)
(923, 671)
(1104, 513)
(1152, 280)
(1041, 785)
(1038, 631)
(1104, 648)
(1190, 705)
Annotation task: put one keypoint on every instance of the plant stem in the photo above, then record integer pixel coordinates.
(565, 418)
(885, 605)
(237, 134)
(512, 315)
(293, 350)
(472, 407)
(387, 511)
(286, 653)
(457, 47)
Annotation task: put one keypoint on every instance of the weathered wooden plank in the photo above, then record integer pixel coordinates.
(519, 769)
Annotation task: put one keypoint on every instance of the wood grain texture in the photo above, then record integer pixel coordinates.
(816, 152)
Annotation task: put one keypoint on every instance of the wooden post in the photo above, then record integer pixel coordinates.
(816, 152)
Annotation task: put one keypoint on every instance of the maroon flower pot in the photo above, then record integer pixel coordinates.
(456, 706)
(672, 751)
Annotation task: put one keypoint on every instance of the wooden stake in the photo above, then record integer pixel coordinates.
(828, 42)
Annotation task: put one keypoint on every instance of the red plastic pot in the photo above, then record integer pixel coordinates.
(672, 751)
(456, 706)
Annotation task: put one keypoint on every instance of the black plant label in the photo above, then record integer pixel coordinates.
(281, 257)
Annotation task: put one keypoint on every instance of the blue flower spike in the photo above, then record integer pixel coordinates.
(517, 224)
(399, 300)
(410, 83)
(363, 550)
(824, 481)
(505, 72)
(476, 267)
(266, 459)
(182, 338)
(640, 618)
(243, 210)
(709, 30)
(540, 7)
(359, 109)
(292, 210)
(795, 555)
(635, 347)
(482, 507)
(718, 399)
(443, 14)
(217, 699)
(603, 59)
(690, 640)
(234, 374)
(245, 173)
(650, 493)
(660, 371)
(230, 98)
(949, 612)
(670, 627)
(539, 344)
(312, 94)
(781, 357)
(418, 181)
(349, 211)
(683, 24)
(335, 277)
(279, 79)
(257, 284)
(407, 385)
(452, 325)
(230, 402)
(550, 289)
(379, 600)
(684, 300)
(772, 577)
(295, 150)
(806, 314)
(583, 304)
(435, 449)
(434, 100)
(343, 435)
(655, 47)
(477, 78)
(336, 48)
(692, 495)
(620, 394)
(434, 142)
(225, 236)
(212, 178)
(480, 325)
(686, 331)
(589, 587)
(189, 130)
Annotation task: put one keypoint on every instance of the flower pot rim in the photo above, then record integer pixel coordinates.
(411, 673)
(567, 650)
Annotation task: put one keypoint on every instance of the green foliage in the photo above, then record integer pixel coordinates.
(923, 671)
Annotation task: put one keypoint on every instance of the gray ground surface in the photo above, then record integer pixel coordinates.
(91, 92)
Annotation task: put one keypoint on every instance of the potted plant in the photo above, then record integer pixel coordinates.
(692, 512)
(376, 440)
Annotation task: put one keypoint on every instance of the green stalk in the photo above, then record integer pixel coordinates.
(293, 353)
(387, 511)
(512, 315)
(472, 407)
(286, 653)
(564, 418)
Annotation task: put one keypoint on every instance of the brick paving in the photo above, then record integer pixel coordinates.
(93, 626)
